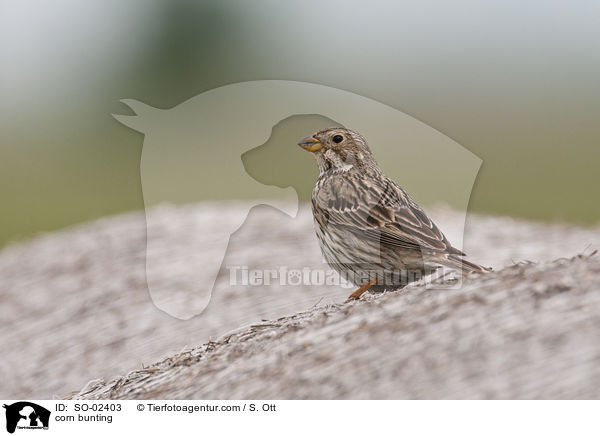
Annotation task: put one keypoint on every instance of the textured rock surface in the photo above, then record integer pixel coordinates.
(74, 307)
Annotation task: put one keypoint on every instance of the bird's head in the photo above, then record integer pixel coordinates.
(339, 149)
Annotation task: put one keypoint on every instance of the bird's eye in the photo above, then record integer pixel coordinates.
(338, 138)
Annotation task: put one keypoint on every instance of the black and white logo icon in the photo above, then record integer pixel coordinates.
(26, 415)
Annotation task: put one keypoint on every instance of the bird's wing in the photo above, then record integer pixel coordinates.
(378, 209)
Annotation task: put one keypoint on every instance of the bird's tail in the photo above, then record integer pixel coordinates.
(455, 261)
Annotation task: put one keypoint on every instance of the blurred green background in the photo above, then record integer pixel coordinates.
(517, 83)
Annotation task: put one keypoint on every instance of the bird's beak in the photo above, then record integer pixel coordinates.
(310, 144)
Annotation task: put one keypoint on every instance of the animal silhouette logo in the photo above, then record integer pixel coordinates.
(193, 153)
(26, 415)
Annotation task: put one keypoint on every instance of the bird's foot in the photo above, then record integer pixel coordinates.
(364, 288)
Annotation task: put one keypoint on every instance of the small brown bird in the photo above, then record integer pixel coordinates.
(369, 229)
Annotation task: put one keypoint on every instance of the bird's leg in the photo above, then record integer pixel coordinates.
(364, 288)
